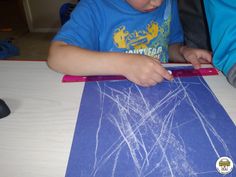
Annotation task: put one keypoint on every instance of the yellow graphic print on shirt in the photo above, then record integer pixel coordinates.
(145, 42)
(137, 39)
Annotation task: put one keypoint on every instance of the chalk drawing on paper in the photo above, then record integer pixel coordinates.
(144, 132)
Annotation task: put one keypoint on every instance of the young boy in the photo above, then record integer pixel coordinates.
(123, 37)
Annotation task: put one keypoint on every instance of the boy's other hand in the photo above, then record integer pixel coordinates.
(196, 56)
(144, 71)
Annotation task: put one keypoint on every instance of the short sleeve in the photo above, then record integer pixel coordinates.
(176, 31)
(81, 30)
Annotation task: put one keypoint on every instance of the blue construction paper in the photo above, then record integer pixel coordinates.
(173, 129)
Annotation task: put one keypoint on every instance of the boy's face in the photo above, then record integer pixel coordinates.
(145, 5)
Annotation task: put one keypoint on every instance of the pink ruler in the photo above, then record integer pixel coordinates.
(175, 73)
(194, 72)
(69, 78)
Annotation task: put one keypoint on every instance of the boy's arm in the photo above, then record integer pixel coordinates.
(140, 69)
(182, 54)
(74, 60)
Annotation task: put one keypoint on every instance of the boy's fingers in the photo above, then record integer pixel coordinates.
(205, 57)
(164, 73)
(204, 61)
(196, 64)
(208, 58)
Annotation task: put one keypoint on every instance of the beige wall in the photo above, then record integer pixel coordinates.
(43, 15)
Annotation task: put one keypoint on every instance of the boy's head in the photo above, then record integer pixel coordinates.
(145, 5)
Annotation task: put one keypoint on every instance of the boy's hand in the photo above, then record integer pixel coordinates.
(145, 71)
(196, 56)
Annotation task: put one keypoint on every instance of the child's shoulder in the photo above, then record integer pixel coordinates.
(102, 4)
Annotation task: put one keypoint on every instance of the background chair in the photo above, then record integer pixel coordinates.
(65, 11)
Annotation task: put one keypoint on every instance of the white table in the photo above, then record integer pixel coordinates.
(35, 139)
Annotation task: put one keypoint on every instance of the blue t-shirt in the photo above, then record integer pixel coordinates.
(115, 26)
(221, 18)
